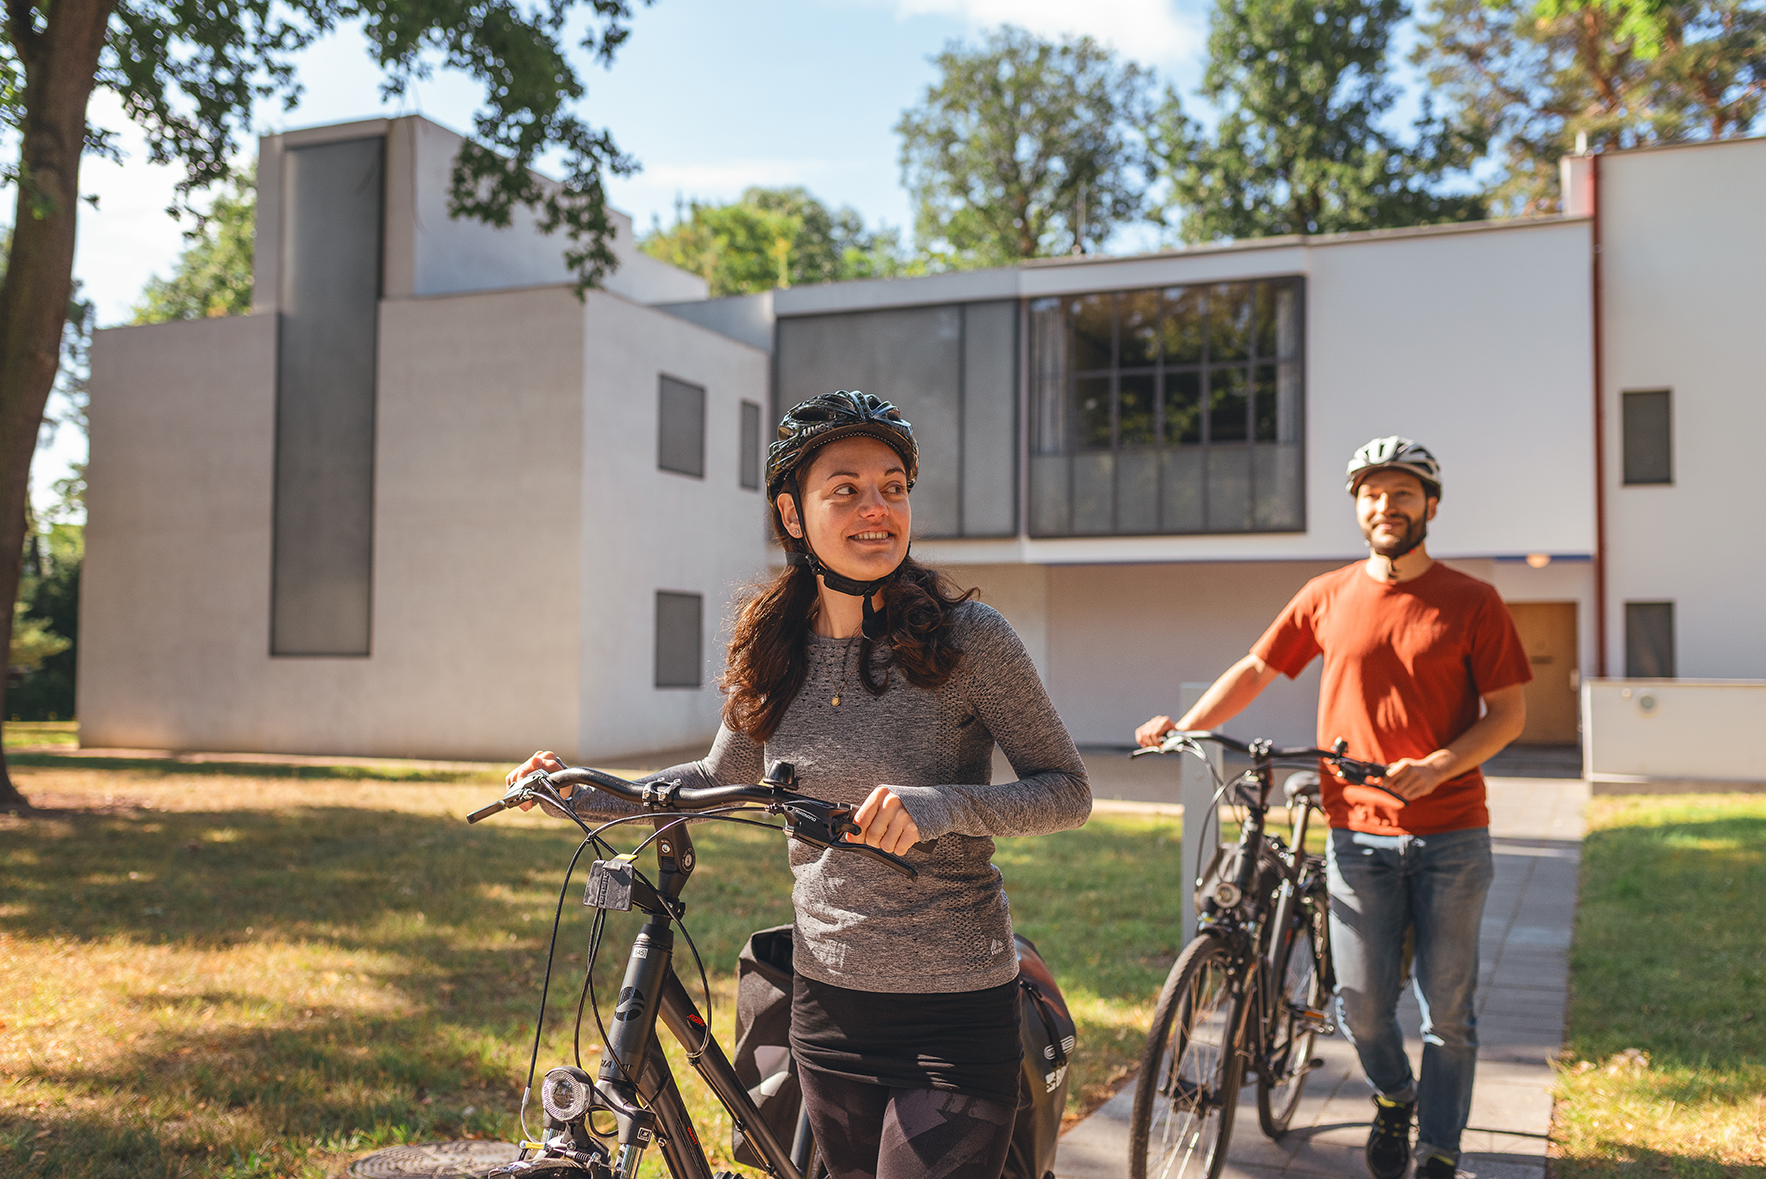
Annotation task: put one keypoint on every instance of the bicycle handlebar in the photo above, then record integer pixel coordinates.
(1348, 768)
(811, 820)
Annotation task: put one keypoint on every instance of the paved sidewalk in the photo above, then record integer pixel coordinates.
(1536, 829)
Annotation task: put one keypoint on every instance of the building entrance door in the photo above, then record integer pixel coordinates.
(1548, 632)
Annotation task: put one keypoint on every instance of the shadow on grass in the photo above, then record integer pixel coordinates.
(249, 769)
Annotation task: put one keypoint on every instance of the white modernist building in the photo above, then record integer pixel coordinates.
(424, 502)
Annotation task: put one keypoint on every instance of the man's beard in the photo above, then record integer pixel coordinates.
(1414, 533)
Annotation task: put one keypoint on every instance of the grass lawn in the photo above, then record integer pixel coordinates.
(1669, 959)
(41, 733)
(220, 974)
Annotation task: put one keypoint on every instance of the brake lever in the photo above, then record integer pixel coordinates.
(825, 825)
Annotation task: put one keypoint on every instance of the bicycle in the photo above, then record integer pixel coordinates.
(1250, 990)
(635, 1084)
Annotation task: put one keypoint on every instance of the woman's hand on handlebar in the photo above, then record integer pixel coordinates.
(884, 823)
(1153, 732)
(545, 760)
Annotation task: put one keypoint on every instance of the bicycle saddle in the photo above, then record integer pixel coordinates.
(1302, 784)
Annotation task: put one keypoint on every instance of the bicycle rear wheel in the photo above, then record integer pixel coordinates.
(1190, 1071)
(1289, 1036)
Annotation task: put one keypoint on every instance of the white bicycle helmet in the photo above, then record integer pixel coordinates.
(1395, 454)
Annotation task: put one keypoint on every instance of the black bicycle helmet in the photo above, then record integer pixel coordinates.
(811, 425)
(1393, 453)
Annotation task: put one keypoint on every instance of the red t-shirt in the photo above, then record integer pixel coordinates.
(1404, 666)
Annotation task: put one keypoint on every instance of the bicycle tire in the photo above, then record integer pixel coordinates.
(1296, 966)
(1180, 1126)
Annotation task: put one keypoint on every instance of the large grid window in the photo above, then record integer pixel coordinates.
(1168, 411)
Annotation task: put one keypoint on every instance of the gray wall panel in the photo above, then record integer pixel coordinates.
(990, 414)
(326, 352)
(911, 357)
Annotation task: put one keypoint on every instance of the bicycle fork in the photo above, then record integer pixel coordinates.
(630, 1039)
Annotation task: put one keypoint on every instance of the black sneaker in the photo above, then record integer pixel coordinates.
(1388, 1143)
(1437, 1166)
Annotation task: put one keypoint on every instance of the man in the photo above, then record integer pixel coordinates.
(1410, 649)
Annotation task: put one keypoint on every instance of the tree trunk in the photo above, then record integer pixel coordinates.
(60, 61)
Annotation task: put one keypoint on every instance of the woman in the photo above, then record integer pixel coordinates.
(888, 689)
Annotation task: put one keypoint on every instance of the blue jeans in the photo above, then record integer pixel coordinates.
(1380, 884)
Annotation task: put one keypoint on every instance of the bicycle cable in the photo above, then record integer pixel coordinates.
(539, 1027)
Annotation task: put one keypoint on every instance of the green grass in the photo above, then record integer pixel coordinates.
(19, 732)
(1669, 959)
(226, 975)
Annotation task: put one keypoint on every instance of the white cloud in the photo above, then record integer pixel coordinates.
(1153, 32)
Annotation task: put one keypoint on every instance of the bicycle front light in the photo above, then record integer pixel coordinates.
(566, 1094)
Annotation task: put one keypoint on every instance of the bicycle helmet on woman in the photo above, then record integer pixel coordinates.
(805, 429)
(1393, 453)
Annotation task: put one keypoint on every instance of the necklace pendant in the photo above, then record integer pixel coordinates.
(836, 700)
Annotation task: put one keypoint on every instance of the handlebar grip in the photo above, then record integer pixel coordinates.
(485, 812)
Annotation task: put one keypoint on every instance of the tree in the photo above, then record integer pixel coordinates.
(1531, 76)
(772, 237)
(213, 275)
(46, 621)
(1299, 147)
(190, 75)
(1024, 148)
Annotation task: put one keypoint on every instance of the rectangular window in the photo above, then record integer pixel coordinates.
(1649, 640)
(750, 435)
(1649, 436)
(681, 432)
(1168, 411)
(327, 347)
(679, 639)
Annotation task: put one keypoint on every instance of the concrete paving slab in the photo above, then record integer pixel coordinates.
(1536, 826)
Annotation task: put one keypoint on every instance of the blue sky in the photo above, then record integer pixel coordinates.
(709, 95)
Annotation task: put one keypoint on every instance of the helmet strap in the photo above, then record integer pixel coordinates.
(1392, 559)
(874, 623)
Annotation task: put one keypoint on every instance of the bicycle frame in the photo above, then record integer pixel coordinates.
(649, 991)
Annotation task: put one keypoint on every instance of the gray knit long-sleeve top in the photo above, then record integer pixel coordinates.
(861, 925)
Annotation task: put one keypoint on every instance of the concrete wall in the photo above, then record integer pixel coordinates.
(1640, 733)
(645, 529)
(429, 252)
(478, 457)
(1684, 258)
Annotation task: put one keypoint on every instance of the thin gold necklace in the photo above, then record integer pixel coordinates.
(845, 661)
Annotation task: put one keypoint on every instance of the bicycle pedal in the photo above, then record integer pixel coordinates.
(1314, 1021)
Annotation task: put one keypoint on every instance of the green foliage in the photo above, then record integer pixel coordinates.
(46, 622)
(1022, 149)
(1299, 147)
(213, 276)
(190, 76)
(1531, 76)
(773, 237)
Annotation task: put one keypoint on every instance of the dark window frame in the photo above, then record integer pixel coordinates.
(1636, 617)
(749, 463)
(664, 455)
(671, 677)
(1631, 461)
(1204, 368)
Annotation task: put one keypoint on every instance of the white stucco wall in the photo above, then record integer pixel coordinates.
(1684, 258)
(476, 530)
(1638, 732)
(645, 529)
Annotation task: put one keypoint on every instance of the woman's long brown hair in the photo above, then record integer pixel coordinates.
(769, 645)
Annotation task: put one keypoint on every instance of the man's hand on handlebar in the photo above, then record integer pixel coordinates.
(884, 823)
(1413, 777)
(1153, 732)
(545, 760)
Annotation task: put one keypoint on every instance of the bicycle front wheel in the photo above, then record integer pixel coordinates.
(1190, 1071)
(1290, 1031)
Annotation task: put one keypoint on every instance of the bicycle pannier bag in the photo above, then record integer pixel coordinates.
(1047, 1031)
(764, 1066)
(763, 1037)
